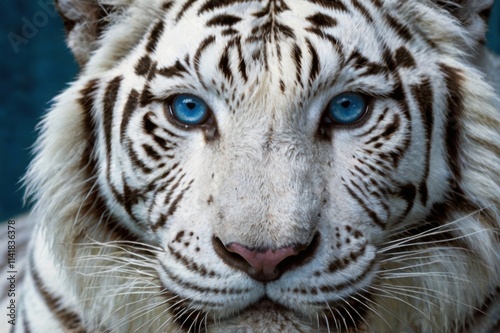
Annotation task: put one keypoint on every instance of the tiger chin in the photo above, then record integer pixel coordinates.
(268, 166)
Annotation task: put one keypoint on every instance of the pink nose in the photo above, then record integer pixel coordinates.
(263, 263)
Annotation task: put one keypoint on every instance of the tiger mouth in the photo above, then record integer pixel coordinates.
(335, 316)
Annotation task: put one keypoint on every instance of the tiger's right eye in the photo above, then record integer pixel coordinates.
(189, 110)
(347, 108)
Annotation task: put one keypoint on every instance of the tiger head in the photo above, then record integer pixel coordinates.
(273, 166)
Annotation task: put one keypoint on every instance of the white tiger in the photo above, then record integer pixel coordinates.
(268, 166)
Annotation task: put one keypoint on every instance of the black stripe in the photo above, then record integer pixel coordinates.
(147, 96)
(371, 214)
(205, 290)
(143, 65)
(424, 95)
(130, 107)
(224, 65)
(149, 127)
(172, 208)
(242, 65)
(67, 318)
(109, 101)
(315, 65)
(400, 28)
(173, 71)
(399, 95)
(297, 59)
(188, 4)
(175, 204)
(167, 6)
(322, 20)
(203, 45)
(328, 289)
(151, 152)
(94, 204)
(331, 4)
(362, 9)
(172, 189)
(388, 131)
(223, 20)
(26, 324)
(407, 192)
(155, 36)
(215, 4)
(361, 62)
(110, 96)
(137, 162)
(131, 197)
(404, 58)
(455, 110)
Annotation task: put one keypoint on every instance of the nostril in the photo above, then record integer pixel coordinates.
(265, 264)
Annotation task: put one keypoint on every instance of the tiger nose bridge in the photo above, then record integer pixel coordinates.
(268, 207)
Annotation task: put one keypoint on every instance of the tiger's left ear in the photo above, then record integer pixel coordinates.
(473, 14)
(85, 21)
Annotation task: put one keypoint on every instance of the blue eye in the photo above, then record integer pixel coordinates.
(189, 109)
(347, 108)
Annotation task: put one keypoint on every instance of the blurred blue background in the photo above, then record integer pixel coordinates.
(35, 66)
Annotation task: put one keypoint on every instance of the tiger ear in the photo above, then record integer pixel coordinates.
(84, 21)
(473, 14)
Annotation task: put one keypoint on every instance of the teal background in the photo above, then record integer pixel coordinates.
(37, 72)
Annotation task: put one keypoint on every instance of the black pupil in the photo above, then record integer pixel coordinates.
(191, 105)
(345, 104)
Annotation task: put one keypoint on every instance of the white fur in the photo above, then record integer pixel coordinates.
(269, 197)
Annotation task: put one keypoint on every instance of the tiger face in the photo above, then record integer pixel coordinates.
(282, 165)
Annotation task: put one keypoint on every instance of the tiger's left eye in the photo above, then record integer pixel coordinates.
(189, 109)
(347, 108)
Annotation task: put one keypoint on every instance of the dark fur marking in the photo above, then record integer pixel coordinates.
(173, 206)
(225, 66)
(214, 4)
(155, 36)
(138, 162)
(297, 59)
(453, 79)
(400, 28)
(143, 66)
(26, 325)
(188, 4)
(362, 9)
(130, 107)
(322, 20)
(94, 204)
(146, 96)
(223, 20)
(203, 45)
(331, 4)
(68, 319)
(242, 66)
(404, 58)
(151, 152)
(167, 6)
(109, 101)
(177, 70)
(315, 65)
(424, 95)
(371, 214)
(408, 193)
